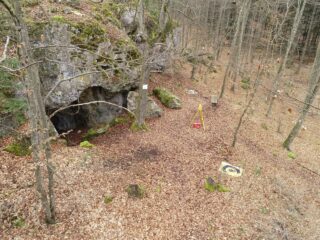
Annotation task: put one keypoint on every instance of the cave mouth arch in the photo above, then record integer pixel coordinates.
(92, 115)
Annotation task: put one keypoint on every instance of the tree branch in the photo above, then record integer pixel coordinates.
(4, 54)
(88, 103)
(19, 69)
(9, 8)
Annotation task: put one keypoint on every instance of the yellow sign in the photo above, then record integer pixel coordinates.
(200, 112)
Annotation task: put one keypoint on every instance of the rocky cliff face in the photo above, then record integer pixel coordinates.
(68, 69)
(89, 53)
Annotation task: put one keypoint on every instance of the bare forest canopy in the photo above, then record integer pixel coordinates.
(215, 22)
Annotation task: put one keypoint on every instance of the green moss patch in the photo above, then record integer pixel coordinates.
(136, 128)
(92, 133)
(119, 121)
(167, 98)
(36, 29)
(211, 186)
(88, 35)
(108, 199)
(86, 144)
(59, 19)
(245, 83)
(292, 155)
(19, 147)
(18, 222)
(110, 12)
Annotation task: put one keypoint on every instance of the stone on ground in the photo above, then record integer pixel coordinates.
(153, 110)
(167, 98)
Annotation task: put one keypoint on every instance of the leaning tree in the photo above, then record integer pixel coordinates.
(38, 122)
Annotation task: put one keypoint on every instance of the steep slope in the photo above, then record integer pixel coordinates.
(274, 199)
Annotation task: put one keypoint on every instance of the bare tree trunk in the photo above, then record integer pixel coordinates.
(217, 37)
(143, 87)
(240, 41)
(143, 93)
(236, 44)
(163, 18)
(36, 111)
(277, 80)
(307, 40)
(140, 37)
(314, 84)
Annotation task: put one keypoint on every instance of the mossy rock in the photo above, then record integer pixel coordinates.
(167, 98)
(86, 144)
(130, 48)
(19, 147)
(88, 35)
(92, 133)
(111, 12)
(135, 191)
(211, 186)
(36, 29)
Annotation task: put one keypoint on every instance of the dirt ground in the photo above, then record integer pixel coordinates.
(276, 198)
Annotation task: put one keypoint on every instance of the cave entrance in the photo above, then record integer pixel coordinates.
(72, 118)
(92, 115)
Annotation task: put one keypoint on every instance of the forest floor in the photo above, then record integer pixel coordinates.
(275, 198)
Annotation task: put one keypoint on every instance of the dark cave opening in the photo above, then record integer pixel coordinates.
(70, 119)
(92, 115)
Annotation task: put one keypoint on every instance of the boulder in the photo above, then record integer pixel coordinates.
(167, 98)
(153, 110)
(93, 67)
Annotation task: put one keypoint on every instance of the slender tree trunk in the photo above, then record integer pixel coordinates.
(236, 44)
(240, 41)
(282, 67)
(314, 84)
(141, 33)
(143, 87)
(143, 93)
(217, 37)
(163, 18)
(307, 40)
(38, 120)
